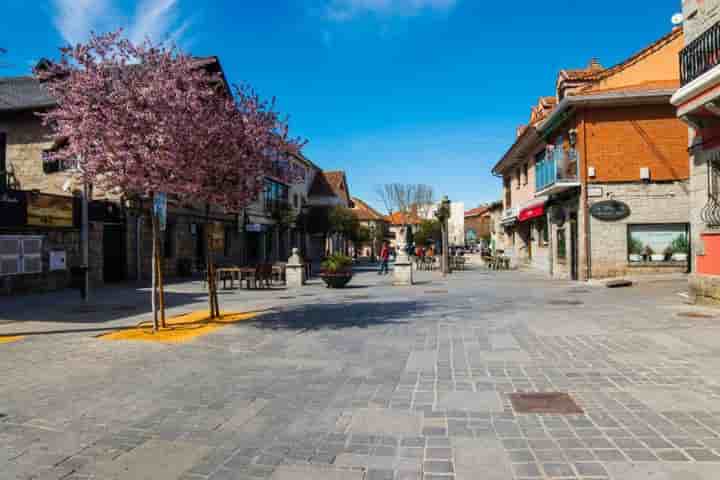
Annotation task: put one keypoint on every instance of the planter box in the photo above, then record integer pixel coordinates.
(657, 257)
(337, 279)
(634, 257)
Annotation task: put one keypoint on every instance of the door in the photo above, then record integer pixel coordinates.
(573, 246)
(113, 253)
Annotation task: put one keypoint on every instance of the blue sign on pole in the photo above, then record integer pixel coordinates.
(160, 209)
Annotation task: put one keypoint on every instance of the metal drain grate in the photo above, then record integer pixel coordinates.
(545, 403)
(565, 302)
(695, 315)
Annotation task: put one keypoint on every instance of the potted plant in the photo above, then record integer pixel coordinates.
(680, 247)
(336, 271)
(636, 250)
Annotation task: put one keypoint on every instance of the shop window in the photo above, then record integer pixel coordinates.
(169, 241)
(561, 245)
(658, 243)
(20, 255)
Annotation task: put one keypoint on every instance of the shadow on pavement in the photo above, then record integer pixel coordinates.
(335, 316)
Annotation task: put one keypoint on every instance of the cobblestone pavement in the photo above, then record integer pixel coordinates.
(373, 383)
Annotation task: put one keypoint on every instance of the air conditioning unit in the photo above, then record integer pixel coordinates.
(645, 174)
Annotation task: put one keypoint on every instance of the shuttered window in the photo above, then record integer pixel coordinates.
(20, 255)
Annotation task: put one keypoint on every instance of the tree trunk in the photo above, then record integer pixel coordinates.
(156, 325)
(212, 290)
(161, 284)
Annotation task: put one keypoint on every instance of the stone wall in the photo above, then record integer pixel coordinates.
(651, 203)
(54, 240)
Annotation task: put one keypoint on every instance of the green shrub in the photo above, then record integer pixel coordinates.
(337, 263)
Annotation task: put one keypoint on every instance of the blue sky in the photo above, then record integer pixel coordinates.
(426, 91)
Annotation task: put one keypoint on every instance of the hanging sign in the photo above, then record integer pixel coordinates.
(160, 209)
(610, 210)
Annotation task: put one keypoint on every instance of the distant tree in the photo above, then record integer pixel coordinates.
(428, 233)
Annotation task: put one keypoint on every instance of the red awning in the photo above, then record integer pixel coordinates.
(532, 211)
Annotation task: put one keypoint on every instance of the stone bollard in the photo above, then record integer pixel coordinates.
(295, 270)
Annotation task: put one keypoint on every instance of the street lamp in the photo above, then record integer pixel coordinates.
(443, 214)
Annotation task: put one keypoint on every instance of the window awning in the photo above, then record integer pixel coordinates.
(532, 210)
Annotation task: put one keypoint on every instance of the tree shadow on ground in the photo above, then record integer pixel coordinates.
(337, 315)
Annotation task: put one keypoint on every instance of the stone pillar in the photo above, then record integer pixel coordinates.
(403, 271)
(295, 270)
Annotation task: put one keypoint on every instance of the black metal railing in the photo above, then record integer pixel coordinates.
(700, 55)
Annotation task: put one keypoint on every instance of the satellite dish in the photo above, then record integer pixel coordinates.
(677, 19)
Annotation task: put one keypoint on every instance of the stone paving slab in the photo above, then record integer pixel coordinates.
(384, 421)
(315, 473)
(153, 460)
(488, 401)
(486, 457)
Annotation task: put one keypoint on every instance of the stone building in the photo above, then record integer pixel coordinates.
(478, 226)
(596, 185)
(328, 190)
(40, 214)
(697, 102)
(376, 225)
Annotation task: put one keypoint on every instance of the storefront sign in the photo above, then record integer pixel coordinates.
(610, 210)
(13, 209)
(49, 210)
(531, 212)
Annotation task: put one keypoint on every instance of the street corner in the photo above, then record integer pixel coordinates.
(181, 328)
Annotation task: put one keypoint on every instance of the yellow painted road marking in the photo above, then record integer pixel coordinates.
(182, 328)
(9, 339)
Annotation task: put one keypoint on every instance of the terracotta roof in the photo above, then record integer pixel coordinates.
(399, 218)
(636, 57)
(365, 212)
(593, 68)
(330, 184)
(476, 212)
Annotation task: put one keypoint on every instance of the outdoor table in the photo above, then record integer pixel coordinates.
(229, 273)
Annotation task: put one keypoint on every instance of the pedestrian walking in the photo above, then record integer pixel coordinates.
(384, 259)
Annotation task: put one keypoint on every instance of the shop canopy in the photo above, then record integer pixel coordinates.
(533, 210)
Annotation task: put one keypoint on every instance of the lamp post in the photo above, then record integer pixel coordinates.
(443, 214)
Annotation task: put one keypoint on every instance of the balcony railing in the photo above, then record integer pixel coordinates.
(559, 168)
(700, 55)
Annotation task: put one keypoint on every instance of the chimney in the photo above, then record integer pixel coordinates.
(594, 64)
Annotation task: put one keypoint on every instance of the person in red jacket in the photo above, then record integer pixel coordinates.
(384, 259)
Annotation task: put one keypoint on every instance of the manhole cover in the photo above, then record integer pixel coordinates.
(565, 302)
(695, 315)
(548, 403)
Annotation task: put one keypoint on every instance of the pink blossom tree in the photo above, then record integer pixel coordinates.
(146, 119)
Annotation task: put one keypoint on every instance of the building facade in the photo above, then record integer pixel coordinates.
(697, 102)
(596, 185)
(376, 226)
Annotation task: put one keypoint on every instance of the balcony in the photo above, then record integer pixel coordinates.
(701, 55)
(557, 173)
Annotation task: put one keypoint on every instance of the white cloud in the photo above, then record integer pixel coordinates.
(75, 19)
(344, 10)
(157, 19)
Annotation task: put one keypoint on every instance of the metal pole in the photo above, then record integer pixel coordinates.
(85, 241)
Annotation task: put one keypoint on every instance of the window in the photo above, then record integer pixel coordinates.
(525, 174)
(658, 243)
(561, 245)
(276, 194)
(169, 241)
(517, 178)
(710, 214)
(508, 192)
(3, 160)
(20, 255)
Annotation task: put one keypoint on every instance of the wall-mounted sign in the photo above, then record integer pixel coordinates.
(13, 209)
(610, 210)
(595, 192)
(57, 260)
(49, 210)
(160, 209)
